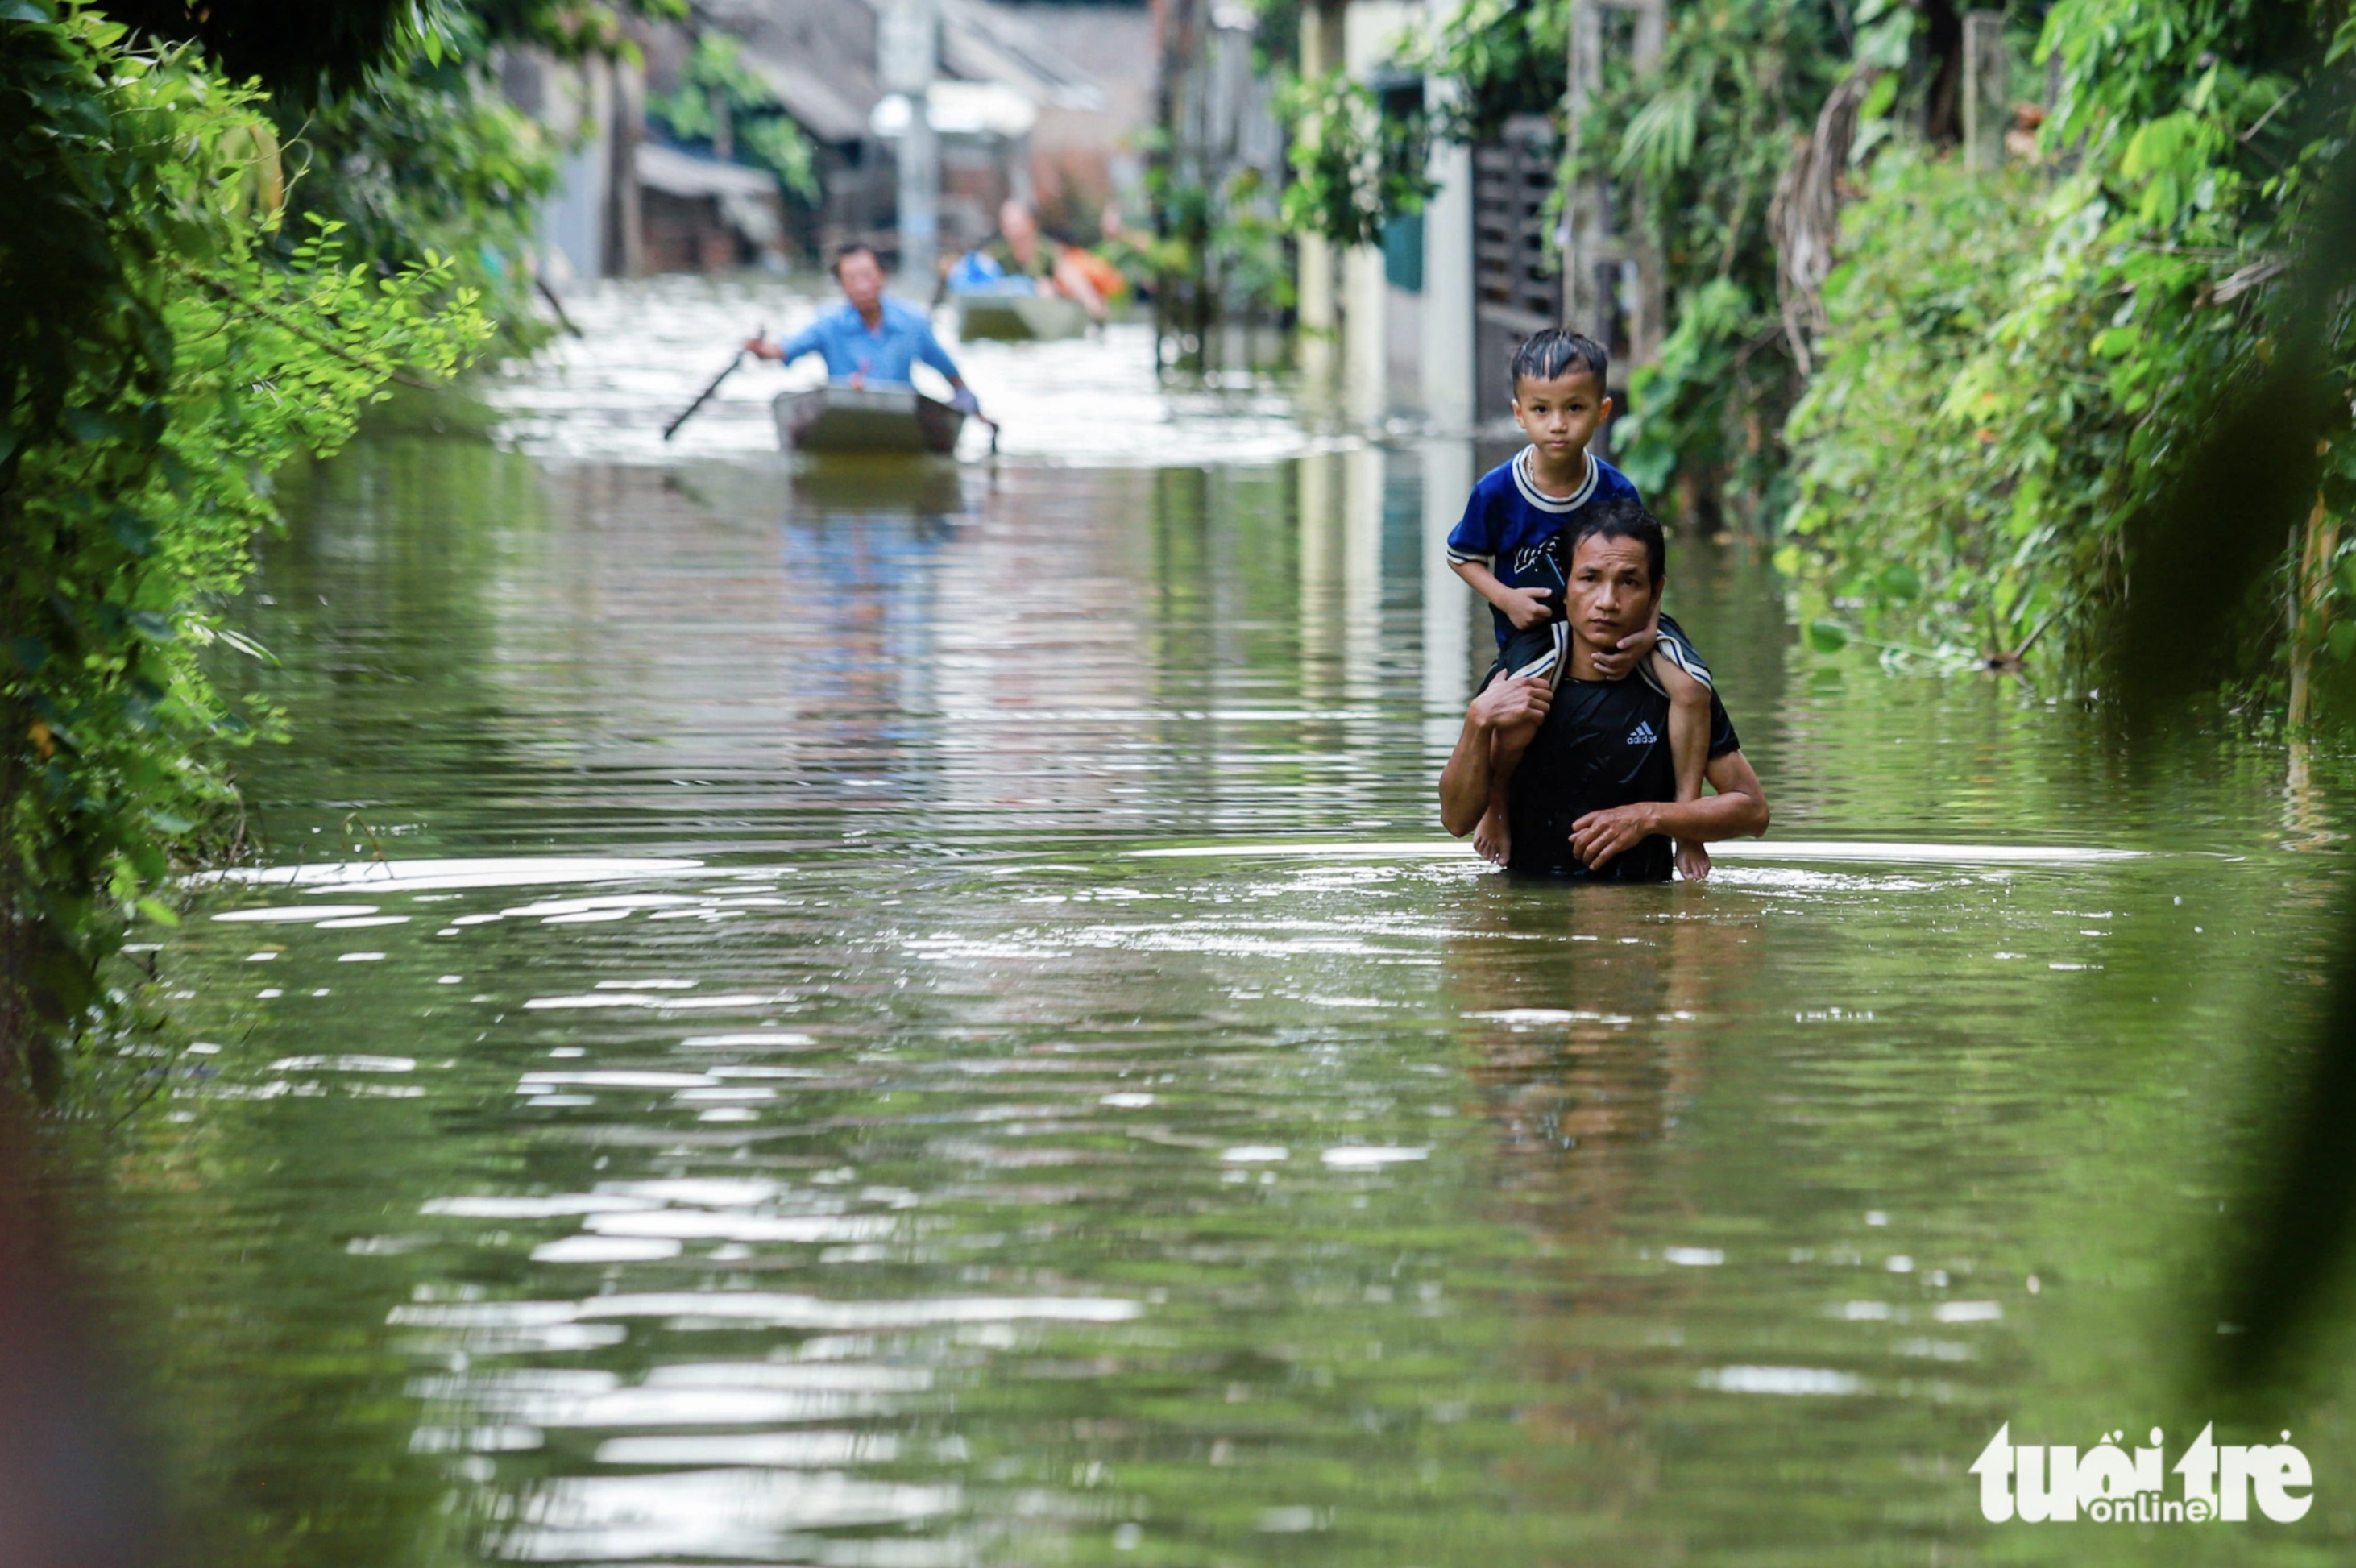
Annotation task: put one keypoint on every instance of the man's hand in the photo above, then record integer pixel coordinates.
(1599, 837)
(1513, 707)
(963, 400)
(762, 348)
(1632, 650)
(1527, 607)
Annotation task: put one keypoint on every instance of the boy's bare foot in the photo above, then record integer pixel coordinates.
(1692, 861)
(1492, 840)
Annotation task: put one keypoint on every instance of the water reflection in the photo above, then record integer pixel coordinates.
(846, 1059)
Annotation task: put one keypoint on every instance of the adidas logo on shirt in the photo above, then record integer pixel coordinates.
(1643, 733)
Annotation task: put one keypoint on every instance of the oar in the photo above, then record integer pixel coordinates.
(711, 386)
(557, 306)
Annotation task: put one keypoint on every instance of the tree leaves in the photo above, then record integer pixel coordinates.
(1659, 140)
(159, 356)
(716, 69)
(2019, 362)
(1354, 167)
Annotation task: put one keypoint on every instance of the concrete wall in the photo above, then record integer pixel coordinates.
(1446, 367)
(1392, 350)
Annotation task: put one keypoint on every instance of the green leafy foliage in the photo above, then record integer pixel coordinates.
(167, 347)
(1907, 306)
(428, 159)
(1357, 165)
(1500, 58)
(2018, 365)
(1354, 169)
(1218, 249)
(417, 152)
(298, 50)
(1698, 145)
(716, 80)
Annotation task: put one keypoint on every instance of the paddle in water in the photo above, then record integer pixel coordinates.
(711, 386)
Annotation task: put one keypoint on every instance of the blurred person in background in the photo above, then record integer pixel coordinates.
(1019, 254)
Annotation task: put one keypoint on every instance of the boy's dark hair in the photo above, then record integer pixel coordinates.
(844, 253)
(1557, 352)
(1618, 519)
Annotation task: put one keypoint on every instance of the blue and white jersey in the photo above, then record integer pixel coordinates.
(1515, 529)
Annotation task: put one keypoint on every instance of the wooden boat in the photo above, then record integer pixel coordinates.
(1019, 318)
(835, 418)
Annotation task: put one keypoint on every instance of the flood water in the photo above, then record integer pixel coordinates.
(815, 1020)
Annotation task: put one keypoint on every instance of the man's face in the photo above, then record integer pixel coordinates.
(1611, 591)
(861, 277)
(1561, 415)
(1020, 228)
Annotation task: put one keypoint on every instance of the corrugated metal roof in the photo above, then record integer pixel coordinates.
(683, 174)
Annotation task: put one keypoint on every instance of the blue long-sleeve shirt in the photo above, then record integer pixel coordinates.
(887, 354)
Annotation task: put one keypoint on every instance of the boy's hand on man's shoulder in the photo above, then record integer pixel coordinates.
(1633, 648)
(1527, 607)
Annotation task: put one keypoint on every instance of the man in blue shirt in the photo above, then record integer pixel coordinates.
(872, 340)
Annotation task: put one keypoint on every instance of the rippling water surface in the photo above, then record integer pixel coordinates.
(819, 1019)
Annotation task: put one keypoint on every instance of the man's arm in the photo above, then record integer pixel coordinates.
(1513, 707)
(1739, 810)
(930, 353)
(805, 341)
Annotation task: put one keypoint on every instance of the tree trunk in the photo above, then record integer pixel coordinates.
(1941, 42)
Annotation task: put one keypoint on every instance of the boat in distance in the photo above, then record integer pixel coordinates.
(1018, 318)
(882, 420)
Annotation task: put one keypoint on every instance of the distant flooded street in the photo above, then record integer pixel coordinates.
(929, 1024)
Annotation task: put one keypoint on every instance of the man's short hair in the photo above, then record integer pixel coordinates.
(1618, 519)
(1557, 352)
(844, 253)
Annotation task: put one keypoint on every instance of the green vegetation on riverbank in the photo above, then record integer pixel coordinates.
(2016, 364)
(1947, 391)
(222, 234)
(169, 341)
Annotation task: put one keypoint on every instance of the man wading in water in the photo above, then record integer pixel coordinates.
(1595, 795)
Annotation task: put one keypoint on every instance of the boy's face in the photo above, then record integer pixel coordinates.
(1561, 415)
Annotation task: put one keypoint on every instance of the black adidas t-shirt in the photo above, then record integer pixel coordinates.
(1604, 744)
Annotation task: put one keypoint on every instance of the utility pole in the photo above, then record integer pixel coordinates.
(907, 48)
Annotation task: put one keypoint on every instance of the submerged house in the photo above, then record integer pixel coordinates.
(1045, 102)
(702, 215)
(1034, 101)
